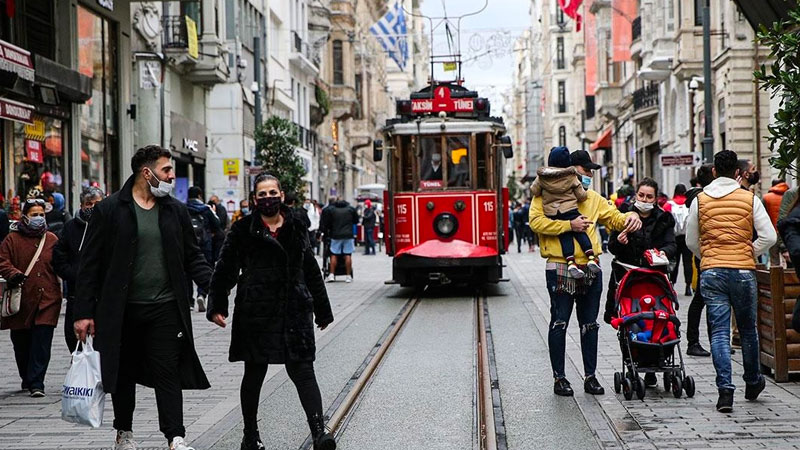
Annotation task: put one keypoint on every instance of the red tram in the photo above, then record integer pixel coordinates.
(446, 213)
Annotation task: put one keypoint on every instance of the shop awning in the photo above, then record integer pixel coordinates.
(765, 11)
(71, 84)
(604, 141)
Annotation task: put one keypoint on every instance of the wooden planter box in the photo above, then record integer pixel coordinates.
(778, 289)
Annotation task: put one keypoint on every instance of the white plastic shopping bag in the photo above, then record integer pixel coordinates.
(82, 396)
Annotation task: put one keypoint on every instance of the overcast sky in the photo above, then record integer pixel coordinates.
(482, 36)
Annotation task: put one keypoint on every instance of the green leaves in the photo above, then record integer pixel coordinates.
(782, 80)
(276, 142)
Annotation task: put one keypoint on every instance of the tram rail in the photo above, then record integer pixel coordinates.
(489, 424)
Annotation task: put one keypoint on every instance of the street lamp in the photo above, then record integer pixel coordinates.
(708, 137)
(693, 86)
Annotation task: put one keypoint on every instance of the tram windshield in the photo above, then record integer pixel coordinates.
(444, 162)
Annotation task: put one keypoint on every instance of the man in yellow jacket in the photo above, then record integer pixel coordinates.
(584, 292)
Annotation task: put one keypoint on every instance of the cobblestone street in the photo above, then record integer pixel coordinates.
(534, 417)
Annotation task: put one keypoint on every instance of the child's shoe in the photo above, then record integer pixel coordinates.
(594, 264)
(574, 270)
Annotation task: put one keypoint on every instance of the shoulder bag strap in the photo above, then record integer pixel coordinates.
(36, 256)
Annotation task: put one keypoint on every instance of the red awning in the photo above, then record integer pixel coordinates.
(604, 141)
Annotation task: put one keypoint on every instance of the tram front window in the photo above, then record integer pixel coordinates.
(431, 163)
(458, 161)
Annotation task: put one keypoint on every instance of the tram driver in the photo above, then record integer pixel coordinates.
(433, 170)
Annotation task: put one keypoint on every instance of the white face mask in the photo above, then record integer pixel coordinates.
(162, 189)
(643, 206)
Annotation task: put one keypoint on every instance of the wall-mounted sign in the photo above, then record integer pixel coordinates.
(190, 144)
(230, 167)
(187, 137)
(680, 160)
(16, 111)
(17, 60)
(149, 74)
(34, 151)
(191, 37)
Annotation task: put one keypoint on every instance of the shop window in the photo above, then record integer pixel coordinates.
(38, 156)
(97, 56)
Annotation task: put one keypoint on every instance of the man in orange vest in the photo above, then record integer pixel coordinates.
(720, 230)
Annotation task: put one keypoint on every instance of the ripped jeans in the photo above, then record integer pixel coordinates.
(587, 306)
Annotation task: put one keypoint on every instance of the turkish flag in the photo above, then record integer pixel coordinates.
(571, 10)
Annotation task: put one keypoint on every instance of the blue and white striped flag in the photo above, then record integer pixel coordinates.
(390, 31)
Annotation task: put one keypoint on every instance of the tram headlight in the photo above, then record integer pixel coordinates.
(445, 225)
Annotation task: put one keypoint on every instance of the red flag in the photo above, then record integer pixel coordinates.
(571, 10)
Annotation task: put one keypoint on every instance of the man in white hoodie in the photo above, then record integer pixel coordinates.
(720, 231)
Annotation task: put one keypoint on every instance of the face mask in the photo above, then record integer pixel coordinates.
(245, 211)
(36, 223)
(586, 181)
(753, 178)
(86, 213)
(644, 206)
(268, 206)
(162, 189)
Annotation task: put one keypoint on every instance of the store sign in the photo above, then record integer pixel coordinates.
(17, 60)
(190, 144)
(16, 111)
(34, 151)
(230, 167)
(188, 136)
(191, 37)
(35, 130)
(680, 160)
(441, 101)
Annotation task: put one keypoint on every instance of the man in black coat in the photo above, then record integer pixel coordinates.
(66, 255)
(133, 296)
(339, 222)
(368, 219)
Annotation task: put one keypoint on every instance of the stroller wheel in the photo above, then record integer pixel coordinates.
(677, 387)
(617, 382)
(640, 388)
(627, 388)
(667, 381)
(688, 386)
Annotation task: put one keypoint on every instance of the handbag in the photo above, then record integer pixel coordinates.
(12, 298)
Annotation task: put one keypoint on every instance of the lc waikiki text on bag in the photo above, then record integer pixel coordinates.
(82, 397)
(12, 298)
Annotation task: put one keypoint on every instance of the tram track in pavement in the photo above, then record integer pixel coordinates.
(488, 422)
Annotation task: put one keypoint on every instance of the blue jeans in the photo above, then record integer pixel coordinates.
(721, 290)
(587, 305)
(567, 240)
(369, 240)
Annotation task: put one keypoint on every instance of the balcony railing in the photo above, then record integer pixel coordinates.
(302, 47)
(307, 138)
(636, 28)
(645, 97)
(174, 32)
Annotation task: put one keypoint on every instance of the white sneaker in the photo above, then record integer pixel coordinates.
(348, 279)
(331, 278)
(124, 441)
(201, 303)
(179, 444)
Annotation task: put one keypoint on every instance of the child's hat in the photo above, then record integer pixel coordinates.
(559, 157)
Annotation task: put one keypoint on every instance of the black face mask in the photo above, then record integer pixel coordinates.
(86, 213)
(753, 178)
(268, 206)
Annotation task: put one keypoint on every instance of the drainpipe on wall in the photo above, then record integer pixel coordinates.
(757, 117)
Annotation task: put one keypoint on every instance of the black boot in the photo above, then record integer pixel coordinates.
(322, 439)
(252, 441)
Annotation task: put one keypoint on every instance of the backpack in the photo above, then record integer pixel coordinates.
(200, 227)
(681, 215)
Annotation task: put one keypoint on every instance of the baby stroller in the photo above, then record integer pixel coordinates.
(341, 269)
(649, 334)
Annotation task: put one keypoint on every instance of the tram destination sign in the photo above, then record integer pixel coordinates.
(441, 101)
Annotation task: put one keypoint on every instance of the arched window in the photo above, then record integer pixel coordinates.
(338, 63)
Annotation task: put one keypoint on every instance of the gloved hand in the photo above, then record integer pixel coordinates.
(16, 280)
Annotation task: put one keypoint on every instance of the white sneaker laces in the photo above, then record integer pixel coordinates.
(179, 444)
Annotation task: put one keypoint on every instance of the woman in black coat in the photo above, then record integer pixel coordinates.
(789, 228)
(280, 294)
(657, 232)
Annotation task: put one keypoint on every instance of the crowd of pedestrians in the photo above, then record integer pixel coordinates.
(719, 228)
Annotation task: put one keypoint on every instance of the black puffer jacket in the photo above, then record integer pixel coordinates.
(279, 291)
(658, 231)
(338, 220)
(789, 228)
